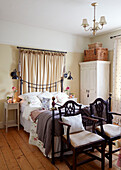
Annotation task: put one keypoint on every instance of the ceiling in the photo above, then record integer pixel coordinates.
(61, 15)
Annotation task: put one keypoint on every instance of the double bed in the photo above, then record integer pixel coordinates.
(38, 105)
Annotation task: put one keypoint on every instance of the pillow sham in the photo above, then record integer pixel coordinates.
(75, 122)
(46, 103)
(47, 97)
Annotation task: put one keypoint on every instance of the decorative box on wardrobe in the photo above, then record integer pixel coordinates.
(94, 81)
(96, 54)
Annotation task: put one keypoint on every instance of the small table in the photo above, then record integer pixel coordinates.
(7, 107)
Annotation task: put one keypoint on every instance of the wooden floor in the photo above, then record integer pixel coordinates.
(16, 153)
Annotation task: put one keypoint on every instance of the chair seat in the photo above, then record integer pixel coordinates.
(83, 138)
(110, 130)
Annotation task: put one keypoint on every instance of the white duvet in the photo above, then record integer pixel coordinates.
(28, 109)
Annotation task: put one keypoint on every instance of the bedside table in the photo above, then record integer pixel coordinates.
(7, 107)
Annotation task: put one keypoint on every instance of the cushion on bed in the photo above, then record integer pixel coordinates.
(75, 122)
(46, 103)
(46, 96)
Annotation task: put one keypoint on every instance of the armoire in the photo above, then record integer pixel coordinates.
(94, 81)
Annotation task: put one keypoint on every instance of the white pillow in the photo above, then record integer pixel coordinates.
(54, 93)
(33, 100)
(45, 94)
(75, 122)
(23, 102)
(62, 97)
(23, 96)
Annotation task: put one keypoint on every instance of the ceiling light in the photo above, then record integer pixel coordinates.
(96, 25)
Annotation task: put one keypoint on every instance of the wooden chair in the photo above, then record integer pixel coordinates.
(100, 111)
(76, 138)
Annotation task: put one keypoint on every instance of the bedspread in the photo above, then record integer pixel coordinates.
(44, 129)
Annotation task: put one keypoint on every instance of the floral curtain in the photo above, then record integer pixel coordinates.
(40, 67)
(116, 96)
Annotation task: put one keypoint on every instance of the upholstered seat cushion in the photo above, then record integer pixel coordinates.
(83, 138)
(110, 130)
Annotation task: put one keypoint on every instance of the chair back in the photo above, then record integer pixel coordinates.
(100, 108)
(70, 108)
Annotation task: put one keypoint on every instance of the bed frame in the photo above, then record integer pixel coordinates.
(43, 87)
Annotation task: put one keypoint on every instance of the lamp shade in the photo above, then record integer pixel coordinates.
(69, 76)
(96, 25)
(85, 23)
(102, 20)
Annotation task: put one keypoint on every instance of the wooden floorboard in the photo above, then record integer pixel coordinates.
(36, 151)
(9, 158)
(16, 153)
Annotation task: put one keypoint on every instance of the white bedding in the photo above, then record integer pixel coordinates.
(30, 127)
(25, 118)
(28, 109)
(25, 123)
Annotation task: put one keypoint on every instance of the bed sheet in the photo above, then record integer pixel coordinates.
(30, 127)
(33, 139)
(25, 123)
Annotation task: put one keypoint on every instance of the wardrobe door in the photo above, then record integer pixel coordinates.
(87, 83)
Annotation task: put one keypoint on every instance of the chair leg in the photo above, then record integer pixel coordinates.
(74, 160)
(110, 154)
(61, 154)
(103, 156)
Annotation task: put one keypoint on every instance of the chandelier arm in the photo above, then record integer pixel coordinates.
(101, 27)
(90, 28)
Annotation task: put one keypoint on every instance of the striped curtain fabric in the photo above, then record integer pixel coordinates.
(41, 68)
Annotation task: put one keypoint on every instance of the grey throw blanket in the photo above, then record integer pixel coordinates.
(44, 129)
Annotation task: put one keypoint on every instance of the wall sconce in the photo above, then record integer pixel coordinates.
(68, 75)
(14, 74)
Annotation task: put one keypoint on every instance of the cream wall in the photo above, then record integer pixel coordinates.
(8, 62)
(72, 63)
